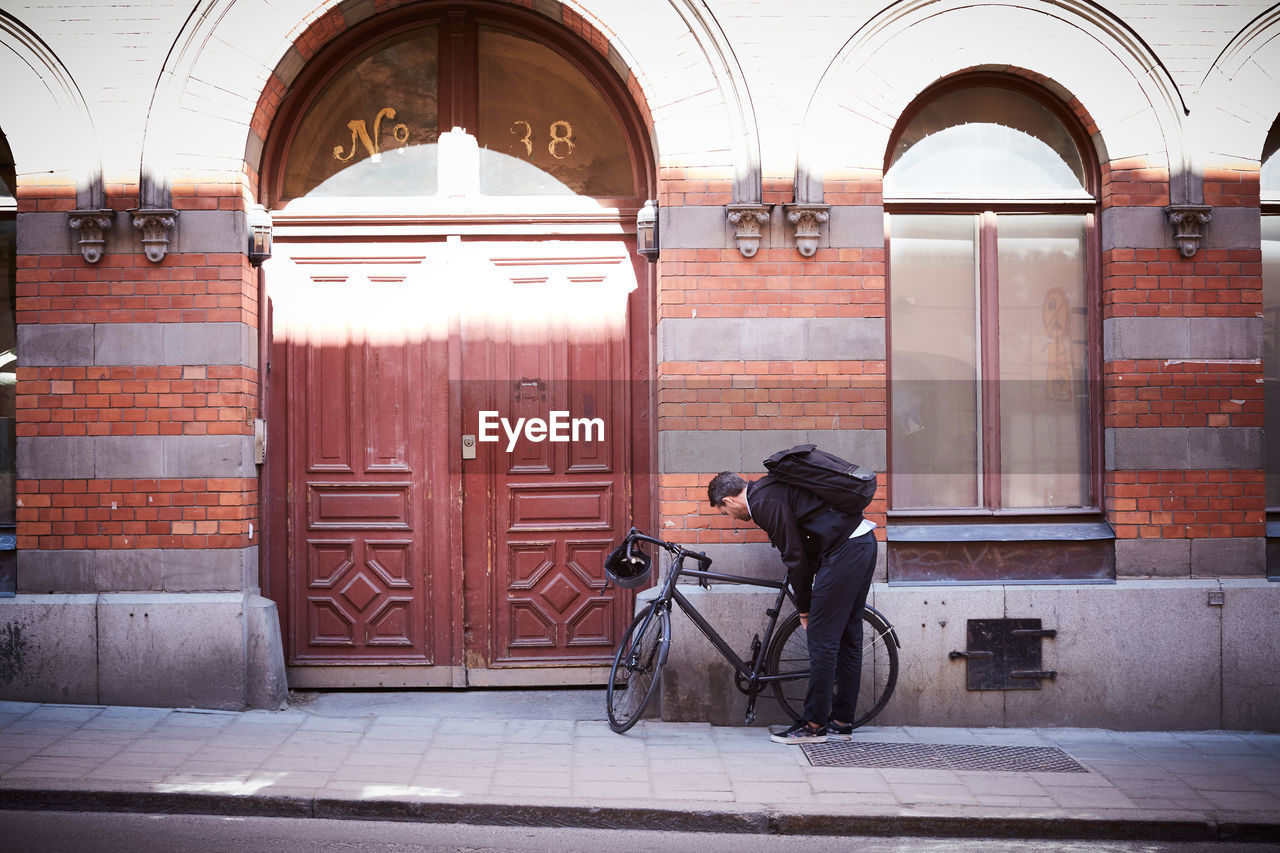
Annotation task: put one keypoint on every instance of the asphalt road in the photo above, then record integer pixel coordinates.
(62, 832)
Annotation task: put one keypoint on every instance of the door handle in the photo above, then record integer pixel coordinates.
(468, 447)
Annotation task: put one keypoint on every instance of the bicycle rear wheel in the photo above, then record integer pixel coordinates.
(789, 653)
(637, 667)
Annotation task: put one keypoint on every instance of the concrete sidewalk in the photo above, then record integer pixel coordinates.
(548, 758)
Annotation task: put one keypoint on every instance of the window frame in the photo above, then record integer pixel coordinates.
(987, 210)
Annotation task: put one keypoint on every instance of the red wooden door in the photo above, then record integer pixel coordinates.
(407, 564)
(544, 503)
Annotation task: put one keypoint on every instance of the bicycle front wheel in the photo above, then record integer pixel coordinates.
(637, 667)
(789, 654)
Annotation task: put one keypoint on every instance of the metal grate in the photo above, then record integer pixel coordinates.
(942, 756)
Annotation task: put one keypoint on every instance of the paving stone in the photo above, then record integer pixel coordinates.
(922, 792)
(1103, 798)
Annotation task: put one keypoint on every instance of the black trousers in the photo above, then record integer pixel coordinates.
(840, 589)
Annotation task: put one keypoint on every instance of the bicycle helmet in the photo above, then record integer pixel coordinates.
(627, 566)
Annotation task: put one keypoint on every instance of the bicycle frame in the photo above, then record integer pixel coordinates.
(749, 673)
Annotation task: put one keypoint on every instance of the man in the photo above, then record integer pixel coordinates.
(830, 556)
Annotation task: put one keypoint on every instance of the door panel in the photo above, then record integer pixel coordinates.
(364, 570)
(553, 343)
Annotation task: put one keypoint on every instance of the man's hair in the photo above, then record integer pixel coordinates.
(723, 485)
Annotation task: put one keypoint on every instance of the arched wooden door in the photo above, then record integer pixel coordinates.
(458, 378)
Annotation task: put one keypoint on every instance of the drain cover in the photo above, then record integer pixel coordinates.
(942, 756)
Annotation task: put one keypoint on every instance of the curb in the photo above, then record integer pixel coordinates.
(765, 821)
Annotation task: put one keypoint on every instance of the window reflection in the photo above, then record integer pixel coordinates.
(1044, 406)
(985, 142)
(936, 361)
(372, 129)
(545, 128)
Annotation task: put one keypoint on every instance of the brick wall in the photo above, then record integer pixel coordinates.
(135, 401)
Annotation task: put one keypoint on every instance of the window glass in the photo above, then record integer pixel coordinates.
(372, 129)
(935, 364)
(544, 127)
(1271, 349)
(985, 142)
(1043, 344)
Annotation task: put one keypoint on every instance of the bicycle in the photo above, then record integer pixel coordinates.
(783, 667)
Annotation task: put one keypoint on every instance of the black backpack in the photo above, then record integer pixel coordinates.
(845, 486)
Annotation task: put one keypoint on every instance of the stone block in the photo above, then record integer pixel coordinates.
(56, 457)
(852, 339)
(712, 339)
(209, 343)
(44, 233)
(128, 343)
(209, 570)
(171, 650)
(1137, 656)
(56, 344)
(698, 683)
(930, 622)
(1169, 448)
(210, 232)
(1134, 228)
(208, 456)
(48, 649)
(1250, 635)
(1233, 557)
(129, 457)
(774, 339)
(856, 226)
(1225, 337)
(1161, 558)
(267, 686)
(44, 572)
(130, 570)
(1234, 228)
(748, 559)
(692, 227)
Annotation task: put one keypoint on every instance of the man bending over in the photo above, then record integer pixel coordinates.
(830, 556)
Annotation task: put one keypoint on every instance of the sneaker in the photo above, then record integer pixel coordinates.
(835, 731)
(800, 733)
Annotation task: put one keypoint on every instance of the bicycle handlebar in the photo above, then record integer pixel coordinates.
(676, 550)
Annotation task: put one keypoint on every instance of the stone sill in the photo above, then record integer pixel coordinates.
(1064, 531)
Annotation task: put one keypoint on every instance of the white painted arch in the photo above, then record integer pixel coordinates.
(223, 57)
(45, 118)
(1084, 51)
(1240, 96)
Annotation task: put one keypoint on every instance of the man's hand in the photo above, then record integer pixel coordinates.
(804, 621)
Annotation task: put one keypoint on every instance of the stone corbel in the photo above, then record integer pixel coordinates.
(155, 225)
(90, 225)
(746, 220)
(1188, 222)
(808, 220)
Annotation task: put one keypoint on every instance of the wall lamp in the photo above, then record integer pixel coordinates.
(647, 230)
(259, 222)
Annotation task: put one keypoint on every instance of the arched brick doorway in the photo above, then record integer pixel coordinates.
(454, 191)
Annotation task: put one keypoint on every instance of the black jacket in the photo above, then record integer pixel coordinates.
(800, 525)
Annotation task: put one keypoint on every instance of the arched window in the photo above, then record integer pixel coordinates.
(989, 188)
(452, 109)
(1271, 309)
